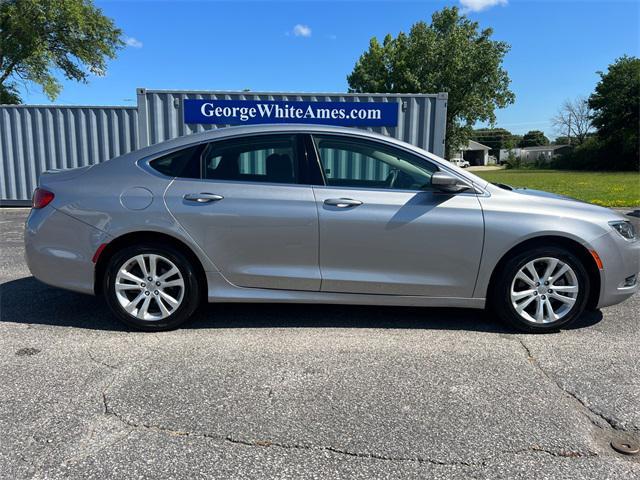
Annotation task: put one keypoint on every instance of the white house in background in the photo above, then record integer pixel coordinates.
(531, 154)
(475, 153)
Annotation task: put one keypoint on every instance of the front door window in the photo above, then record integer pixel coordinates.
(357, 163)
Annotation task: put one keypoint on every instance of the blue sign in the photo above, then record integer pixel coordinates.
(248, 112)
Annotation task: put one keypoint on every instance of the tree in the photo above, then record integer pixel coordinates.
(616, 113)
(449, 55)
(513, 142)
(562, 140)
(9, 95)
(41, 37)
(573, 120)
(494, 138)
(533, 138)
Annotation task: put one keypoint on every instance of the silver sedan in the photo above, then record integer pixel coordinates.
(314, 214)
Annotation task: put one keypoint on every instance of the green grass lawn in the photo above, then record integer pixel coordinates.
(610, 189)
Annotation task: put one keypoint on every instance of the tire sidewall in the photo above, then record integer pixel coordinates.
(191, 295)
(502, 294)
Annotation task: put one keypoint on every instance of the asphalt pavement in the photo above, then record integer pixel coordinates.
(307, 391)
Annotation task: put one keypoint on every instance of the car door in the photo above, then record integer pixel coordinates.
(384, 230)
(251, 212)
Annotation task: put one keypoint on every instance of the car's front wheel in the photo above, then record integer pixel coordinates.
(151, 287)
(541, 289)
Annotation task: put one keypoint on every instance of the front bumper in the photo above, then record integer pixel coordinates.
(620, 260)
(59, 249)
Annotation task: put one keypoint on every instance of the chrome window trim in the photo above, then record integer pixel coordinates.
(477, 190)
(144, 162)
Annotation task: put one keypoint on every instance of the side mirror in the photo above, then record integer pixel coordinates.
(448, 183)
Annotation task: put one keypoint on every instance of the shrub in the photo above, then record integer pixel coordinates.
(513, 161)
(541, 162)
(591, 155)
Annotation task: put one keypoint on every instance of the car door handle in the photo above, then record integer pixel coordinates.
(342, 202)
(202, 197)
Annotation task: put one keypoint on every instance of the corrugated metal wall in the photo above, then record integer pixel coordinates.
(38, 138)
(421, 118)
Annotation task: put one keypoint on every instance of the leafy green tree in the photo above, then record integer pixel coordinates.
(534, 138)
(41, 37)
(9, 95)
(513, 142)
(562, 140)
(451, 54)
(495, 138)
(616, 112)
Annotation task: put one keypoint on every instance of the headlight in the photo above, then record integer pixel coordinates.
(624, 228)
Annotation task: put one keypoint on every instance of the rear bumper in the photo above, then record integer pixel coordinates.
(620, 260)
(59, 249)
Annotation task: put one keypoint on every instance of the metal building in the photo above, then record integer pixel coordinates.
(38, 138)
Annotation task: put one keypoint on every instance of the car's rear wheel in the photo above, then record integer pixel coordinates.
(151, 287)
(541, 289)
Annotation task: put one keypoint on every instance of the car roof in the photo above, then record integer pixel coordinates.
(220, 133)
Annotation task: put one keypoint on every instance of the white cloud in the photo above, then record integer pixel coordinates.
(300, 30)
(479, 5)
(133, 42)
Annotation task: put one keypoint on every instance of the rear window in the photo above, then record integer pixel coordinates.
(183, 163)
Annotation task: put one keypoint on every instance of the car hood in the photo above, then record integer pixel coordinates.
(559, 205)
(542, 193)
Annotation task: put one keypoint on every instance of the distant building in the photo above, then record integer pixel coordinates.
(531, 154)
(475, 153)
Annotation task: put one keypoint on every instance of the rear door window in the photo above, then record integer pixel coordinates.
(265, 158)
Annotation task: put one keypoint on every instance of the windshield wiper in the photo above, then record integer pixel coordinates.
(503, 186)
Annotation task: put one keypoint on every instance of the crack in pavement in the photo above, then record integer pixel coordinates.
(595, 417)
(100, 362)
(288, 446)
(560, 453)
(86, 447)
(482, 463)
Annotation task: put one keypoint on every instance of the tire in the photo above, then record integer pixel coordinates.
(171, 297)
(565, 303)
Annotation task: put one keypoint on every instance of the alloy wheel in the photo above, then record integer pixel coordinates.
(544, 290)
(149, 287)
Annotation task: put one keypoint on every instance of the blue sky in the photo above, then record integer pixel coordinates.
(557, 47)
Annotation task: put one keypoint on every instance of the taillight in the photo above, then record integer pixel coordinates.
(41, 198)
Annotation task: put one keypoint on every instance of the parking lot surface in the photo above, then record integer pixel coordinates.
(306, 391)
